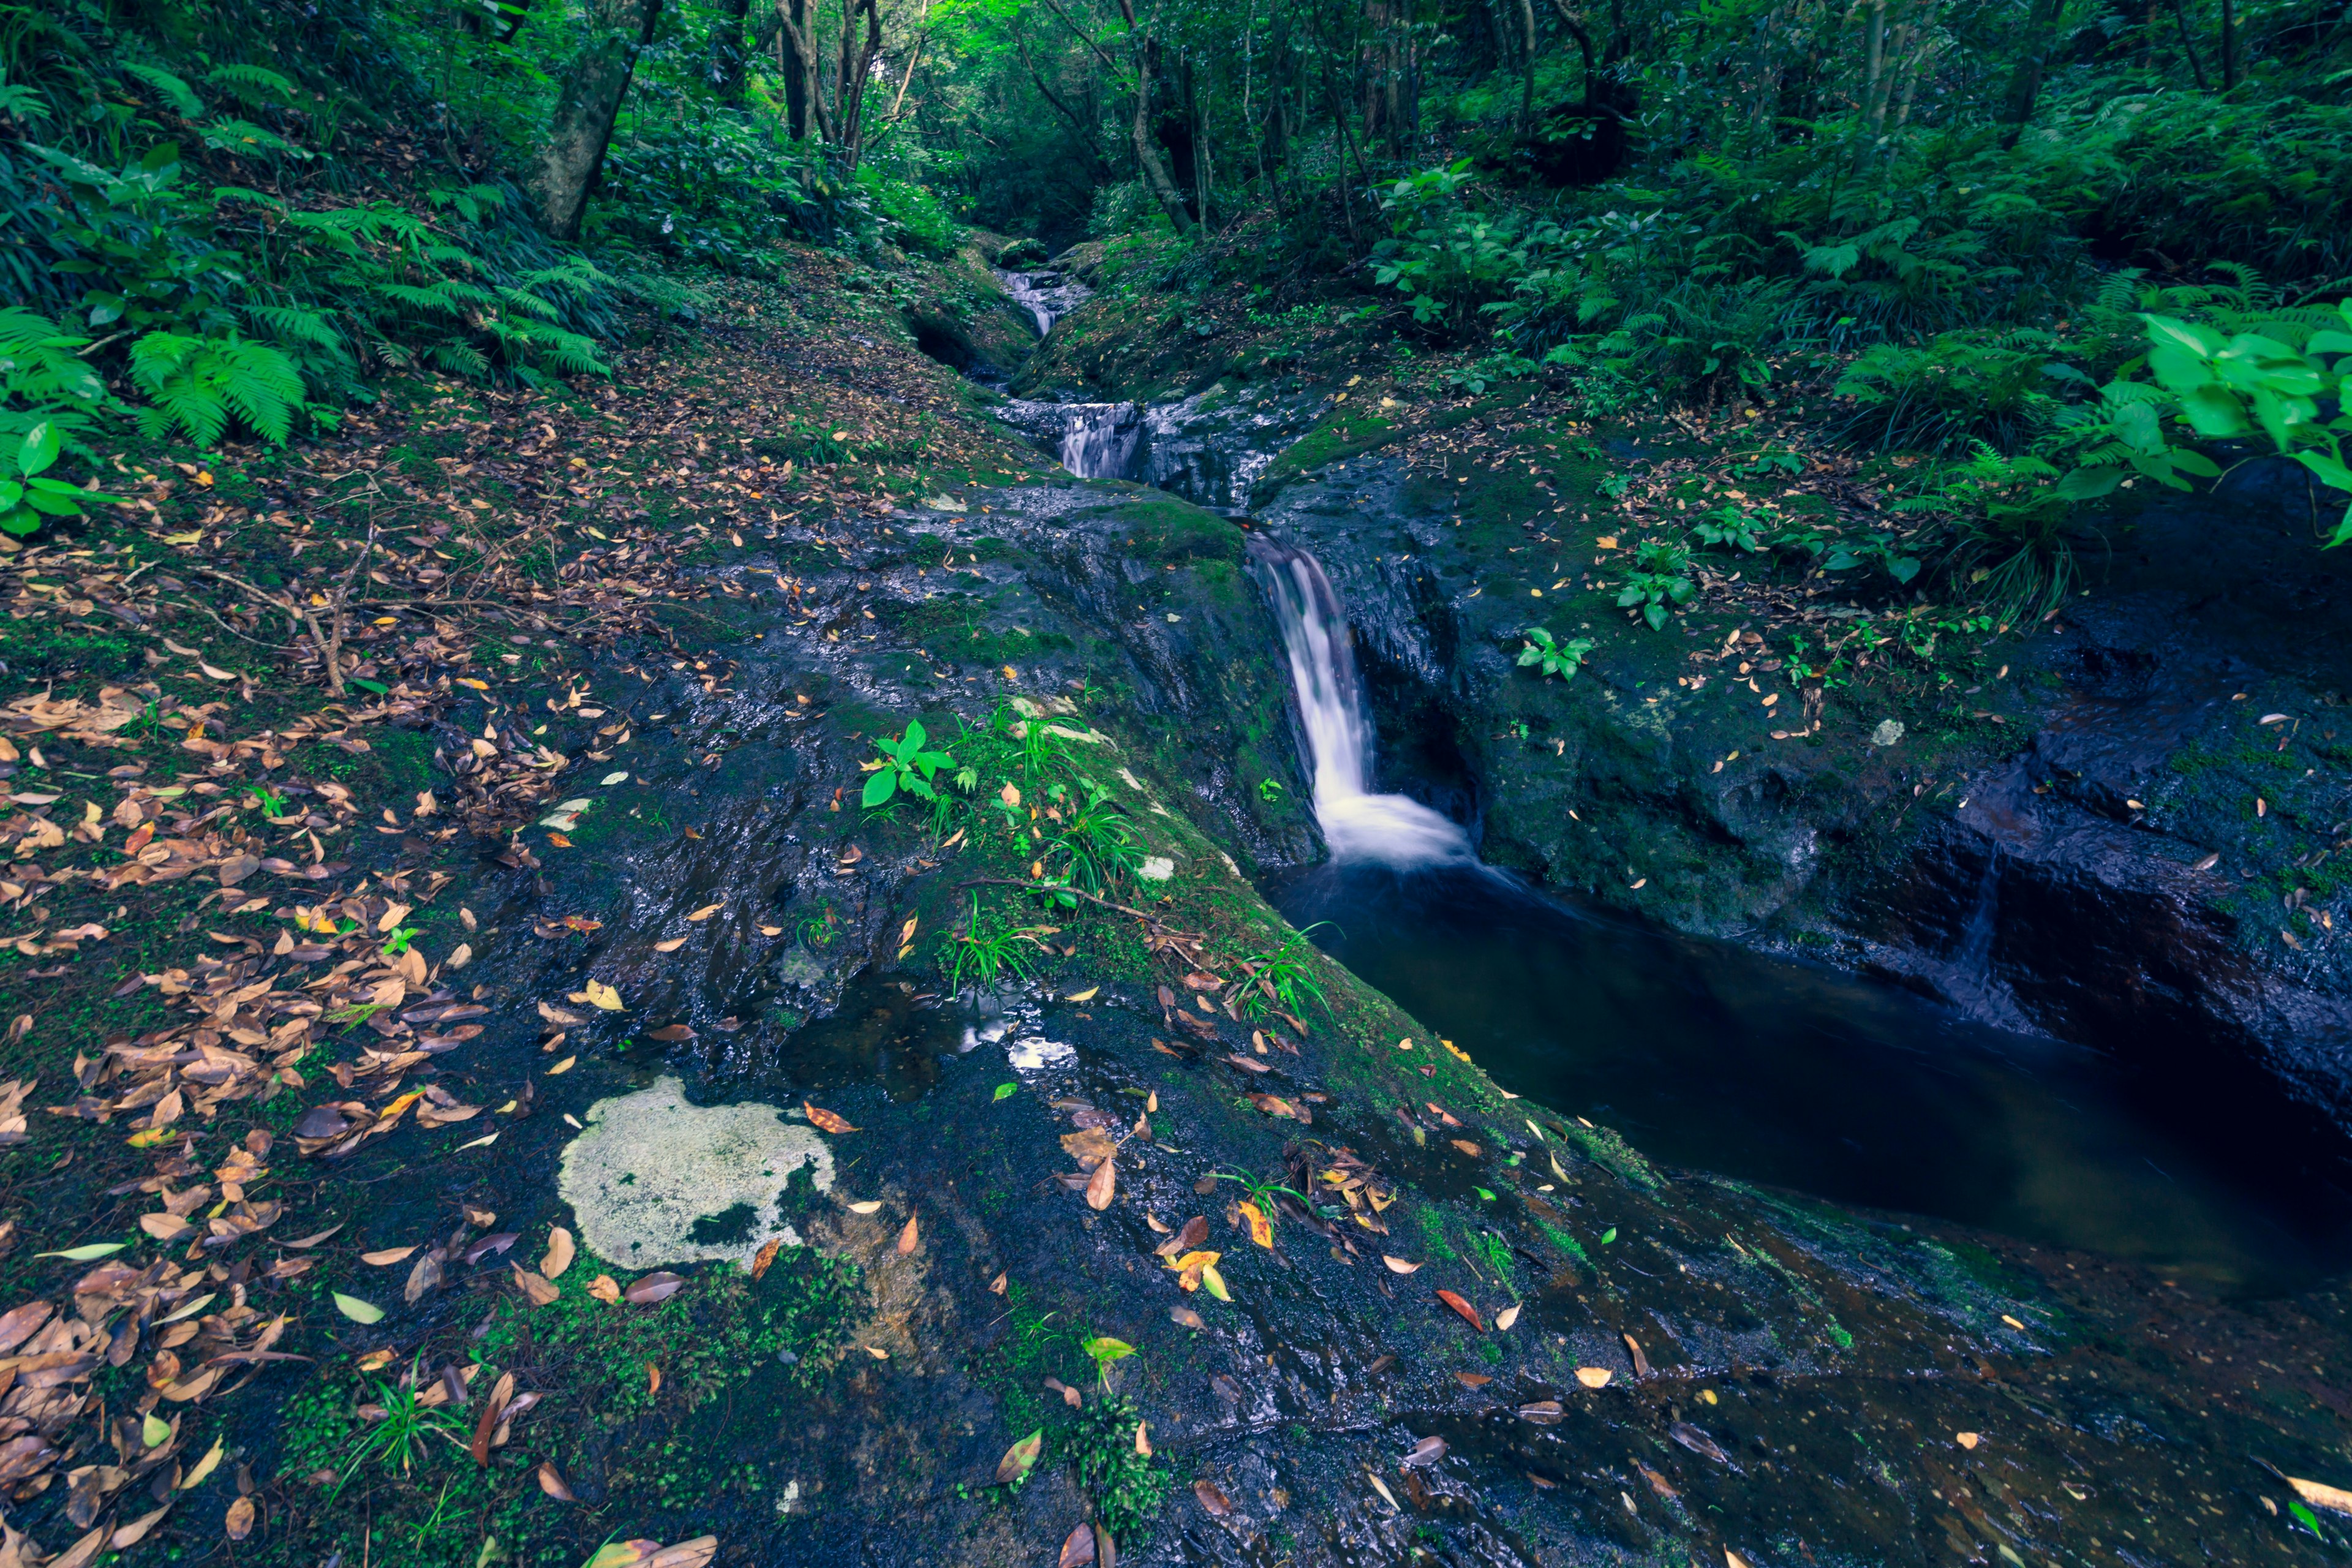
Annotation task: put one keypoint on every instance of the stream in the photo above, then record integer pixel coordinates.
(1707, 1055)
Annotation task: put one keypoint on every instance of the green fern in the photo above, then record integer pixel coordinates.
(200, 384)
(171, 89)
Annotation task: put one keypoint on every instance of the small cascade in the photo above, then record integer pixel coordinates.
(1046, 295)
(1102, 440)
(1358, 826)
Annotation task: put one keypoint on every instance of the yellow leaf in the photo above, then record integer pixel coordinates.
(1261, 1227)
(603, 995)
(1215, 1283)
(706, 911)
(1086, 995)
(562, 1066)
(193, 536)
(204, 1467)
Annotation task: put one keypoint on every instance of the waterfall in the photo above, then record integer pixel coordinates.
(1358, 826)
(1102, 439)
(1046, 295)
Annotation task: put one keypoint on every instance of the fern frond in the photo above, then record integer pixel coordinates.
(178, 93)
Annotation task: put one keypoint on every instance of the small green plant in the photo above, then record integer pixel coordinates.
(398, 1429)
(1283, 977)
(29, 497)
(1659, 583)
(1728, 527)
(1547, 658)
(1260, 1194)
(981, 956)
(1100, 843)
(1270, 791)
(1105, 1353)
(1114, 1467)
(200, 384)
(904, 765)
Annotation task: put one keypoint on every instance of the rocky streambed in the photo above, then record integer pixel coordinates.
(815, 1179)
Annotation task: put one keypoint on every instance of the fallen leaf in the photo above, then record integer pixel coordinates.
(559, 1253)
(387, 1257)
(1213, 1499)
(552, 1482)
(1428, 1451)
(669, 944)
(1469, 1314)
(659, 1286)
(878, 1352)
(1102, 1185)
(1088, 994)
(996, 1286)
(538, 1290)
(1595, 1376)
(1214, 1282)
(357, 1310)
(96, 1249)
(910, 1236)
(826, 1120)
(1143, 1440)
(1189, 1317)
(2318, 1494)
(1472, 1379)
(1019, 1458)
(562, 1066)
(1542, 1413)
(706, 911)
(604, 1288)
(1398, 1265)
(239, 1523)
(1508, 1316)
(1261, 1226)
(871, 1205)
(1970, 1439)
(603, 995)
(205, 1467)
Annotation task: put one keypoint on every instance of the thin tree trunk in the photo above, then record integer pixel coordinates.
(728, 57)
(2189, 45)
(2229, 45)
(1526, 66)
(1576, 29)
(585, 107)
(2025, 81)
(857, 65)
(1153, 167)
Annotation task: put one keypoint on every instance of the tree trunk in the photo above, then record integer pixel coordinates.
(2025, 81)
(1153, 167)
(1526, 66)
(2187, 44)
(2229, 45)
(1576, 29)
(585, 107)
(728, 57)
(799, 20)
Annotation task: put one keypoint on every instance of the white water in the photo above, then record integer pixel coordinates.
(1046, 295)
(1101, 440)
(1358, 826)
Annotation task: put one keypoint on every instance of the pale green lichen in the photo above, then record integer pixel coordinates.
(650, 1165)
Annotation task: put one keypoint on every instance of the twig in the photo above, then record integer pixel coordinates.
(1151, 919)
(293, 606)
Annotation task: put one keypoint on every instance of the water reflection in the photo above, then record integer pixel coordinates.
(1710, 1057)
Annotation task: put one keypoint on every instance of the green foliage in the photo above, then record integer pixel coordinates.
(1540, 653)
(1125, 1485)
(199, 385)
(904, 766)
(396, 1428)
(30, 498)
(1096, 841)
(1955, 389)
(1282, 977)
(982, 951)
(1659, 583)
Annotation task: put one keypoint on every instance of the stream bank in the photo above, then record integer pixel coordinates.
(670, 900)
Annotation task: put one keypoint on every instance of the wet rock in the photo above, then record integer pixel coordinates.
(652, 1168)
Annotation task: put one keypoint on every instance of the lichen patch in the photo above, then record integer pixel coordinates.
(652, 1170)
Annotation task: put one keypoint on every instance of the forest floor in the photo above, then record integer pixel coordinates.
(306, 989)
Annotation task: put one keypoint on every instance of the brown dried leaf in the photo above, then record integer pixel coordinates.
(239, 1522)
(538, 1290)
(912, 1236)
(559, 1253)
(552, 1482)
(826, 1120)
(604, 1288)
(1103, 1185)
(1020, 1457)
(1469, 1314)
(1213, 1499)
(659, 1286)
(1078, 1548)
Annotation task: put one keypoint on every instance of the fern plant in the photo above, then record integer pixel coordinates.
(44, 381)
(201, 384)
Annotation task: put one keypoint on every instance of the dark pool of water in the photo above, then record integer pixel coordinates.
(1709, 1057)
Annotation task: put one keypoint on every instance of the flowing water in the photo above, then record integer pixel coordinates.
(1711, 1056)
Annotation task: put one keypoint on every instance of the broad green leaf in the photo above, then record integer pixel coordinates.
(1106, 1350)
(357, 1310)
(1006, 1091)
(880, 785)
(95, 1250)
(40, 448)
(916, 735)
